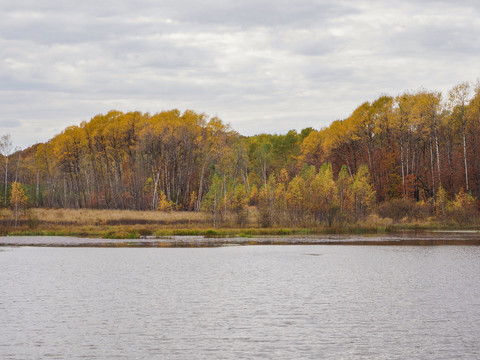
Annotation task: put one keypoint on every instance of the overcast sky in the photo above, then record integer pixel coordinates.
(260, 65)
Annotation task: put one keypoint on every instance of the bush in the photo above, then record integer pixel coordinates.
(164, 204)
(399, 209)
(463, 210)
(211, 234)
(264, 216)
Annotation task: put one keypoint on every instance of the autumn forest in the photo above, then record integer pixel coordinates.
(413, 155)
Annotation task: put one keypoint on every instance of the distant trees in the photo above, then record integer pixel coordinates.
(415, 147)
(126, 160)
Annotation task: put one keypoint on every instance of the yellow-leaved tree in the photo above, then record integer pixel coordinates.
(239, 204)
(363, 192)
(164, 204)
(18, 199)
(441, 201)
(344, 188)
(463, 209)
(295, 199)
(324, 196)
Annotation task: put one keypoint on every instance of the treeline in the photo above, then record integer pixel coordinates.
(414, 148)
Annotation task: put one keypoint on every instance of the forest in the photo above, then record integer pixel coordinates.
(413, 155)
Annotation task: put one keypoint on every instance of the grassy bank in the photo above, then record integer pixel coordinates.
(126, 224)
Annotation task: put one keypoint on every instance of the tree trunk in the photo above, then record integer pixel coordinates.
(403, 167)
(433, 172)
(438, 156)
(6, 179)
(200, 187)
(465, 154)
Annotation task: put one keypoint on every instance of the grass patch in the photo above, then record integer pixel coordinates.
(211, 234)
(243, 235)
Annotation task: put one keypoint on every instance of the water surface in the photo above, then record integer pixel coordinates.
(242, 302)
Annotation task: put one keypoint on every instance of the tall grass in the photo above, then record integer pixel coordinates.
(136, 224)
(103, 217)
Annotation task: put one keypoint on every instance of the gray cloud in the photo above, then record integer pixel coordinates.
(262, 65)
(8, 123)
(434, 39)
(261, 12)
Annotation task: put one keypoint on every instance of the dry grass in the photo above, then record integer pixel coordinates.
(99, 222)
(115, 217)
(134, 224)
(120, 223)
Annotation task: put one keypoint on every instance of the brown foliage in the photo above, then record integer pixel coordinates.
(404, 208)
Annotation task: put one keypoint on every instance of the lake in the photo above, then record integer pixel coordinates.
(240, 302)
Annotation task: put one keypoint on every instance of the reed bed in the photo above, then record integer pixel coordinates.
(128, 224)
(116, 217)
(99, 223)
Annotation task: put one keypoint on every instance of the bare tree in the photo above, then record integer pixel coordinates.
(458, 98)
(6, 150)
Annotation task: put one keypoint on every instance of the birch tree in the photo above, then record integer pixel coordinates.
(458, 98)
(5, 150)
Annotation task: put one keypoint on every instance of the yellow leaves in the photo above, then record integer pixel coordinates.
(335, 136)
(294, 195)
(315, 147)
(41, 157)
(280, 192)
(441, 201)
(417, 114)
(403, 112)
(67, 147)
(425, 109)
(463, 208)
(193, 119)
(283, 177)
(18, 198)
(215, 126)
(239, 200)
(253, 197)
(164, 204)
(216, 136)
(193, 200)
(344, 188)
(459, 95)
(363, 189)
(361, 117)
(324, 186)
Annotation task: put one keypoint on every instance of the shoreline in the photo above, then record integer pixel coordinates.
(407, 239)
(136, 225)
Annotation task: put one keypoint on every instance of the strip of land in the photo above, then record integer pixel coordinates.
(405, 239)
(120, 224)
(155, 228)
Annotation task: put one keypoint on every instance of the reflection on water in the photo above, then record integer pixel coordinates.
(305, 302)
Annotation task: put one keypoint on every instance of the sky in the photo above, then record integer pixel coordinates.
(259, 65)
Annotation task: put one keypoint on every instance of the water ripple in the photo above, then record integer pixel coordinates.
(240, 303)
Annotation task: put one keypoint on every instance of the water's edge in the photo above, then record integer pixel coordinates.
(408, 239)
